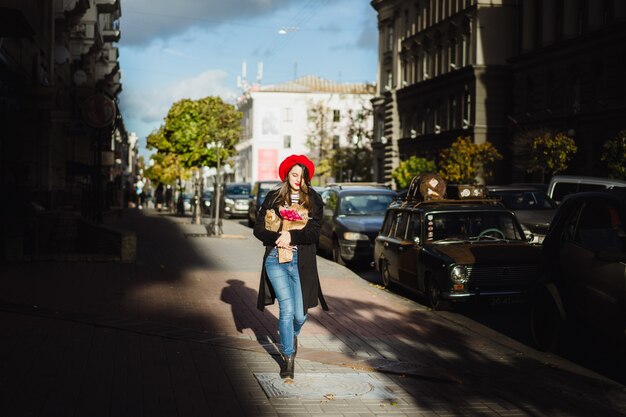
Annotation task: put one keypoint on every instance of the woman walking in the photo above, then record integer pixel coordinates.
(289, 271)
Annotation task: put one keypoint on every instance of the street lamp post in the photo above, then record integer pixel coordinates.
(217, 230)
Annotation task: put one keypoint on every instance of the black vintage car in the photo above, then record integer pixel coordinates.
(452, 250)
(583, 271)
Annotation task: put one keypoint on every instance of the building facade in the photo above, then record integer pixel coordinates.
(487, 69)
(277, 122)
(63, 144)
(569, 77)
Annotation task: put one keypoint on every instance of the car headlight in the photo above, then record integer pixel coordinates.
(458, 274)
(355, 236)
(229, 201)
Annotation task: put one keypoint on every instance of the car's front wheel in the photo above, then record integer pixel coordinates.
(433, 295)
(337, 253)
(384, 271)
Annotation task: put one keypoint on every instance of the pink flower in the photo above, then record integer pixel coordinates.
(290, 214)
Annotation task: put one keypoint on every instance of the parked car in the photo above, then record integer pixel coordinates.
(207, 199)
(234, 199)
(259, 191)
(562, 185)
(451, 250)
(532, 207)
(353, 215)
(188, 201)
(583, 271)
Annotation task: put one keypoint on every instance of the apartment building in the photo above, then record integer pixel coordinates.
(277, 122)
(63, 144)
(497, 70)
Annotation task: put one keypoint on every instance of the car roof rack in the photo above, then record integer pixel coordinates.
(341, 185)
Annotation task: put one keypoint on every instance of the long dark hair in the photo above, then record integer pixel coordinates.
(283, 196)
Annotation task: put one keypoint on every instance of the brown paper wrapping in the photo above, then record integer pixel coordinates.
(284, 254)
(272, 221)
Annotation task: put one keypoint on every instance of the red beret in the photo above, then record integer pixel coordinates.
(292, 160)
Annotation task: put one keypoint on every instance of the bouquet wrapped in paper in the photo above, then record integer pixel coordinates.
(272, 221)
(294, 218)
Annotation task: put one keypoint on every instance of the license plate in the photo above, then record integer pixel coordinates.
(500, 301)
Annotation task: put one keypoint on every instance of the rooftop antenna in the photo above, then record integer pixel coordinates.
(295, 70)
(259, 72)
(242, 82)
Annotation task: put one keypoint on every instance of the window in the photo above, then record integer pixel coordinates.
(287, 116)
(600, 227)
(389, 219)
(452, 54)
(413, 231)
(407, 24)
(452, 116)
(330, 201)
(530, 97)
(395, 219)
(575, 95)
(336, 115)
(390, 39)
(467, 108)
(550, 92)
(287, 141)
(335, 141)
(402, 224)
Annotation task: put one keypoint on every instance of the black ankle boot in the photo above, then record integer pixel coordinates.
(286, 370)
(295, 345)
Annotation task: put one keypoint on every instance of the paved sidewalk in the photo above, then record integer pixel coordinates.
(177, 334)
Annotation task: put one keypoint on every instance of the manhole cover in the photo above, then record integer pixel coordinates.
(320, 386)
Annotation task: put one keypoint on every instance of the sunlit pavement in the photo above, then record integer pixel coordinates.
(177, 333)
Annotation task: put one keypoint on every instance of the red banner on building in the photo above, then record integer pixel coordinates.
(268, 164)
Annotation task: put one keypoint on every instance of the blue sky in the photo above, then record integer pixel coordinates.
(195, 48)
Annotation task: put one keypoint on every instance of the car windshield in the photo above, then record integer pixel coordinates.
(265, 188)
(477, 225)
(525, 200)
(238, 189)
(365, 204)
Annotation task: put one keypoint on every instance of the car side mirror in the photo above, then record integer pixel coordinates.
(612, 256)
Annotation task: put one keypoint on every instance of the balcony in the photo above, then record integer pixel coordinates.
(108, 6)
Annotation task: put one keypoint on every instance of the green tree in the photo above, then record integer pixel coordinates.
(354, 162)
(411, 167)
(551, 153)
(465, 161)
(191, 125)
(320, 141)
(615, 155)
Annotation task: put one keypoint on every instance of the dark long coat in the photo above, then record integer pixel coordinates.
(305, 239)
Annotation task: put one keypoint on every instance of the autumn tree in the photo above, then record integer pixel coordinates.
(551, 153)
(166, 169)
(466, 161)
(410, 168)
(615, 155)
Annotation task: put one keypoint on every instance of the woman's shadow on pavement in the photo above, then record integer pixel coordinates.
(242, 302)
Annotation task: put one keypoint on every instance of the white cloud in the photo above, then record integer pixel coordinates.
(143, 21)
(152, 106)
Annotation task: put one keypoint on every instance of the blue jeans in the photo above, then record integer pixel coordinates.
(285, 280)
